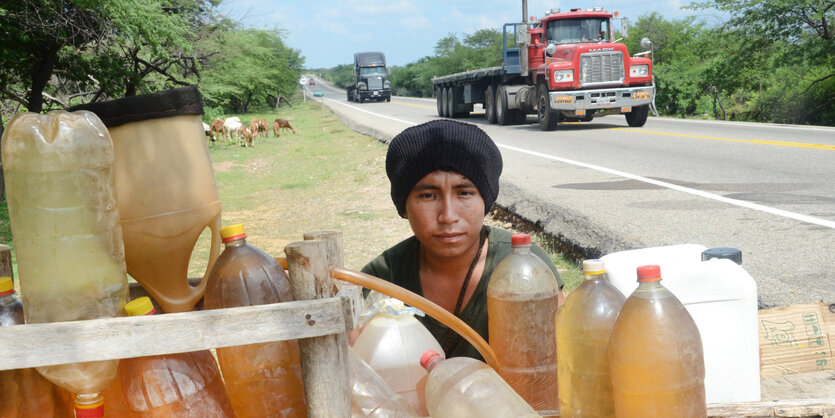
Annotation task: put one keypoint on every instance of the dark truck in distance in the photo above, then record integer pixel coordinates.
(369, 78)
(567, 66)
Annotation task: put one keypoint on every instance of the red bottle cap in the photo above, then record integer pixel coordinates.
(650, 273)
(518, 240)
(428, 357)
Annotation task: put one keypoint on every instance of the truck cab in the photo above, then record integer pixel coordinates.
(586, 73)
(370, 75)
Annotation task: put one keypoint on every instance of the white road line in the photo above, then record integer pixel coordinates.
(695, 192)
(741, 203)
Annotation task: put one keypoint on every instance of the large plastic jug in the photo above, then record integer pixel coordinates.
(263, 379)
(584, 324)
(465, 387)
(371, 396)
(166, 190)
(172, 385)
(390, 343)
(24, 392)
(721, 297)
(655, 354)
(67, 236)
(521, 304)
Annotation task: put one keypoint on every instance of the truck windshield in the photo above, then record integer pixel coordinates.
(372, 71)
(569, 31)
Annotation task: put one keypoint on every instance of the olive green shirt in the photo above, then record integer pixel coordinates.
(399, 265)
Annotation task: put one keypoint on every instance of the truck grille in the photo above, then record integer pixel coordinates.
(375, 83)
(601, 68)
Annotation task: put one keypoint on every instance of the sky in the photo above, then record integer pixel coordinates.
(328, 32)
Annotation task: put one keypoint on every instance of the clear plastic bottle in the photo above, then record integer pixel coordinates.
(655, 354)
(171, 385)
(584, 324)
(67, 237)
(371, 396)
(262, 379)
(521, 304)
(390, 343)
(25, 393)
(465, 387)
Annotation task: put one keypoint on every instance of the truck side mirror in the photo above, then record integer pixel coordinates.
(624, 27)
(646, 44)
(550, 50)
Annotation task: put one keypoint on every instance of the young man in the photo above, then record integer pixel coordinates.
(444, 179)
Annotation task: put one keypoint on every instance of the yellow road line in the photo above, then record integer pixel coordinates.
(750, 141)
(413, 104)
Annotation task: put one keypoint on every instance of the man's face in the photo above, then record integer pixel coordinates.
(446, 212)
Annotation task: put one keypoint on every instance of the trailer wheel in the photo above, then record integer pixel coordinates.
(504, 116)
(439, 101)
(445, 102)
(451, 103)
(638, 116)
(490, 105)
(548, 119)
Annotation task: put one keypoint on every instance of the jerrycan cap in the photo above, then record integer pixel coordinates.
(593, 266)
(650, 273)
(520, 240)
(232, 232)
(428, 357)
(733, 254)
(140, 306)
(6, 286)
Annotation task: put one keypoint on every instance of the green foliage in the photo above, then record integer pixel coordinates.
(341, 75)
(250, 67)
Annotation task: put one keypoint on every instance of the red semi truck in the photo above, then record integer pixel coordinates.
(566, 66)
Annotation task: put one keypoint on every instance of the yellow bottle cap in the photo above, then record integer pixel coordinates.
(6, 286)
(140, 306)
(232, 232)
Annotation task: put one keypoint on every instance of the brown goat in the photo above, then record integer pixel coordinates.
(247, 139)
(281, 124)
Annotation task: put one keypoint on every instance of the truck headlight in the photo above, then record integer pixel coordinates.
(387, 84)
(638, 70)
(563, 76)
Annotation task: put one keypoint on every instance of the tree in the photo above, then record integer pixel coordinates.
(250, 66)
(64, 49)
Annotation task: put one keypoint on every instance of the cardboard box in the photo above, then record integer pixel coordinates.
(797, 339)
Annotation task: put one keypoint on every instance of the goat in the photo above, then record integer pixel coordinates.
(246, 136)
(231, 126)
(281, 124)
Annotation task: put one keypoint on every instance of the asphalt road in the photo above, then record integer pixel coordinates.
(602, 187)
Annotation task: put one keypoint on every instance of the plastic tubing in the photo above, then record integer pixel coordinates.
(413, 299)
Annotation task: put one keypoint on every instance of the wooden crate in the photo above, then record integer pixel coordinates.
(318, 319)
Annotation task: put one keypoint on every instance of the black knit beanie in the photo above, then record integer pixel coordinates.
(443, 144)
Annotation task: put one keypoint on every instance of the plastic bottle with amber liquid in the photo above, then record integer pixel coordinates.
(171, 385)
(655, 354)
(584, 325)
(465, 387)
(521, 304)
(262, 379)
(23, 392)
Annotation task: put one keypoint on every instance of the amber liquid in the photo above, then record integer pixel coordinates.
(173, 385)
(522, 336)
(584, 324)
(24, 392)
(262, 379)
(656, 359)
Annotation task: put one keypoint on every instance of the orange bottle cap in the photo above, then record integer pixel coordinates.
(650, 273)
(232, 232)
(6, 286)
(517, 240)
(140, 306)
(428, 357)
(94, 409)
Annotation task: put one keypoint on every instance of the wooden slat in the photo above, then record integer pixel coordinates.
(103, 339)
(785, 408)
